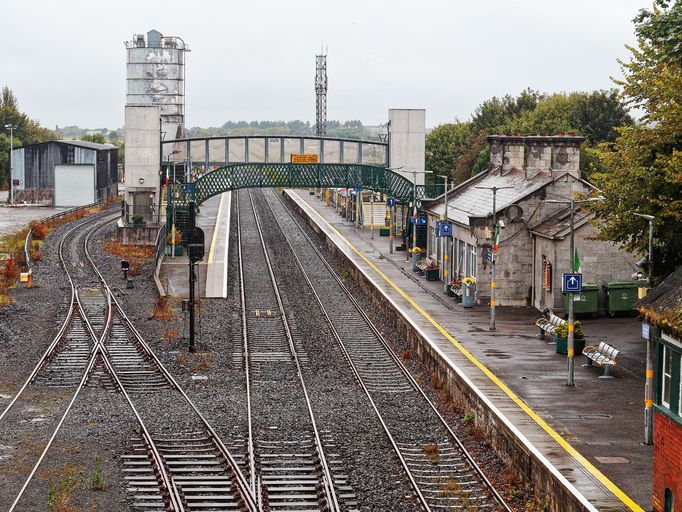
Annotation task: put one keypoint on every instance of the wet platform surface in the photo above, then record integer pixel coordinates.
(592, 433)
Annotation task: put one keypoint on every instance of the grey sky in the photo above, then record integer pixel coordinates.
(254, 60)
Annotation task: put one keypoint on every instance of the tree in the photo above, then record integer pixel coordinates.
(444, 145)
(642, 168)
(99, 138)
(27, 131)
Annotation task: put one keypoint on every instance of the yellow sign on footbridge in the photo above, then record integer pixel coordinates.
(303, 158)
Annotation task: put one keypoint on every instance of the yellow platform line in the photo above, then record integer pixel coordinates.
(513, 396)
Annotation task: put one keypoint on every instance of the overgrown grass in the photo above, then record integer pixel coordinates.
(432, 453)
(61, 493)
(96, 480)
(163, 310)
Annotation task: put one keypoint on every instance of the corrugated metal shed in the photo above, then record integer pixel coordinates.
(34, 164)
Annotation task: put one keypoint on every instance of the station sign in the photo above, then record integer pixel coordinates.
(443, 228)
(390, 202)
(419, 221)
(305, 158)
(572, 283)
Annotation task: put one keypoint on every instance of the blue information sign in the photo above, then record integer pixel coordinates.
(443, 228)
(489, 255)
(419, 221)
(572, 282)
(390, 202)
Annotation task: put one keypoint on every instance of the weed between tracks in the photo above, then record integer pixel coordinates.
(163, 310)
(136, 255)
(432, 453)
(198, 362)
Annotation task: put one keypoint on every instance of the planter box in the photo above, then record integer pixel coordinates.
(384, 231)
(431, 274)
(562, 345)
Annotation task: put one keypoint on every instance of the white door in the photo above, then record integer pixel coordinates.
(74, 185)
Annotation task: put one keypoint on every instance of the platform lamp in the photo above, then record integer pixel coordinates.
(11, 128)
(571, 320)
(649, 381)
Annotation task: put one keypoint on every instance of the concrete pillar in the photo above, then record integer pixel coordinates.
(143, 152)
(407, 136)
(566, 154)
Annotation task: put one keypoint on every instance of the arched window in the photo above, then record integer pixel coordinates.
(669, 501)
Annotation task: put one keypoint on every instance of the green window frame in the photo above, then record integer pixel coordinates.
(669, 378)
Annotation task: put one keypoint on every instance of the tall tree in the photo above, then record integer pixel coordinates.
(27, 131)
(444, 145)
(642, 169)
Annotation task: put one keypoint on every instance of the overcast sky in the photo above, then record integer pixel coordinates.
(255, 59)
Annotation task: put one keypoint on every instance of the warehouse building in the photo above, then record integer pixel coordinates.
(65, 173)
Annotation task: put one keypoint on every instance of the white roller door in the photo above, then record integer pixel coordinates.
(74, 185)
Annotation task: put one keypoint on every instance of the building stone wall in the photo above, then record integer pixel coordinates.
(601, 262)
(34, 196)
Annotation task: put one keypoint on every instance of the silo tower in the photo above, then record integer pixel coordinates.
(156, 76)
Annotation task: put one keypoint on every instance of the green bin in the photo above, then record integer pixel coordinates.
(620, 296)
(584, 301)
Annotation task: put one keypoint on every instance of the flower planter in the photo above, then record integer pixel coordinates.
(179, 250)
(384, 231)
(562, 345)
(431, 274)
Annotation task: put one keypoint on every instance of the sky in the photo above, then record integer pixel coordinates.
(255, 59)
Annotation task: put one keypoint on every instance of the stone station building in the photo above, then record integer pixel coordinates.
(534, 243)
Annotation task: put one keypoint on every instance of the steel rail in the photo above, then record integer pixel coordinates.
(242, 484)
(486, 482)
(83, 380)
(65, 325)
(330, 492)
(247, 370)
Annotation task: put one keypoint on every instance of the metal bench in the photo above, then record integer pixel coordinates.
(604, 356)
(421, 264)
(548, 323)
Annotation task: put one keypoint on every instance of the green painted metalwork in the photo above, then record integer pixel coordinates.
(259, 175)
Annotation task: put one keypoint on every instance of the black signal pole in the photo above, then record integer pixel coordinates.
(192, 223)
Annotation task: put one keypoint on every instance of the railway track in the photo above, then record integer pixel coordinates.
(441, 471)
(100, 345)
(288, 459)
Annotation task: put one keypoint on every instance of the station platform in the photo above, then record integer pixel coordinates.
(590, 435)
(214, 218)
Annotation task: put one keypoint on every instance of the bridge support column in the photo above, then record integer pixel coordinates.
(407, 136)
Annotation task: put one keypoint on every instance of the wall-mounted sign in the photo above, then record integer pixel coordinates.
(304, 158)
(547, 275)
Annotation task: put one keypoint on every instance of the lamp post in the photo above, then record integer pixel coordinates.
(571, 320)
(493, 283)
(445, 240)
(414, 202)
(11, 128)
(649, 380)
(174, 152)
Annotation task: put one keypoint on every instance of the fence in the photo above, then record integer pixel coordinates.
(140, 213)
(48, 220)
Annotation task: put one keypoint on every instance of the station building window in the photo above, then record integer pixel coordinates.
(670, 377)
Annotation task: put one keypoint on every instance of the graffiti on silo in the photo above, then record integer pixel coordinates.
(156, 76)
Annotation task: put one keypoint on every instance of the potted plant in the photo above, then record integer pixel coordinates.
(384, 231)
(561, 338)
(178, 243)
(431, 271)
(138, 221)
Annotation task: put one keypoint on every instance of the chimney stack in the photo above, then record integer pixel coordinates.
(566, 155)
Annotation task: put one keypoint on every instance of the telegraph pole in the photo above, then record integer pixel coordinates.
(446, 243)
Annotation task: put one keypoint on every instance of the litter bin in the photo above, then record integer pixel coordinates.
(584, 301)
(468, 292)
(620, 296)
(416, 256)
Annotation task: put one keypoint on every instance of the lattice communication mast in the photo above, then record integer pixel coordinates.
(321, 94)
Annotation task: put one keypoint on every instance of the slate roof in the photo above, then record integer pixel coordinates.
(663, 306)
(559, 224)
(466, 200)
